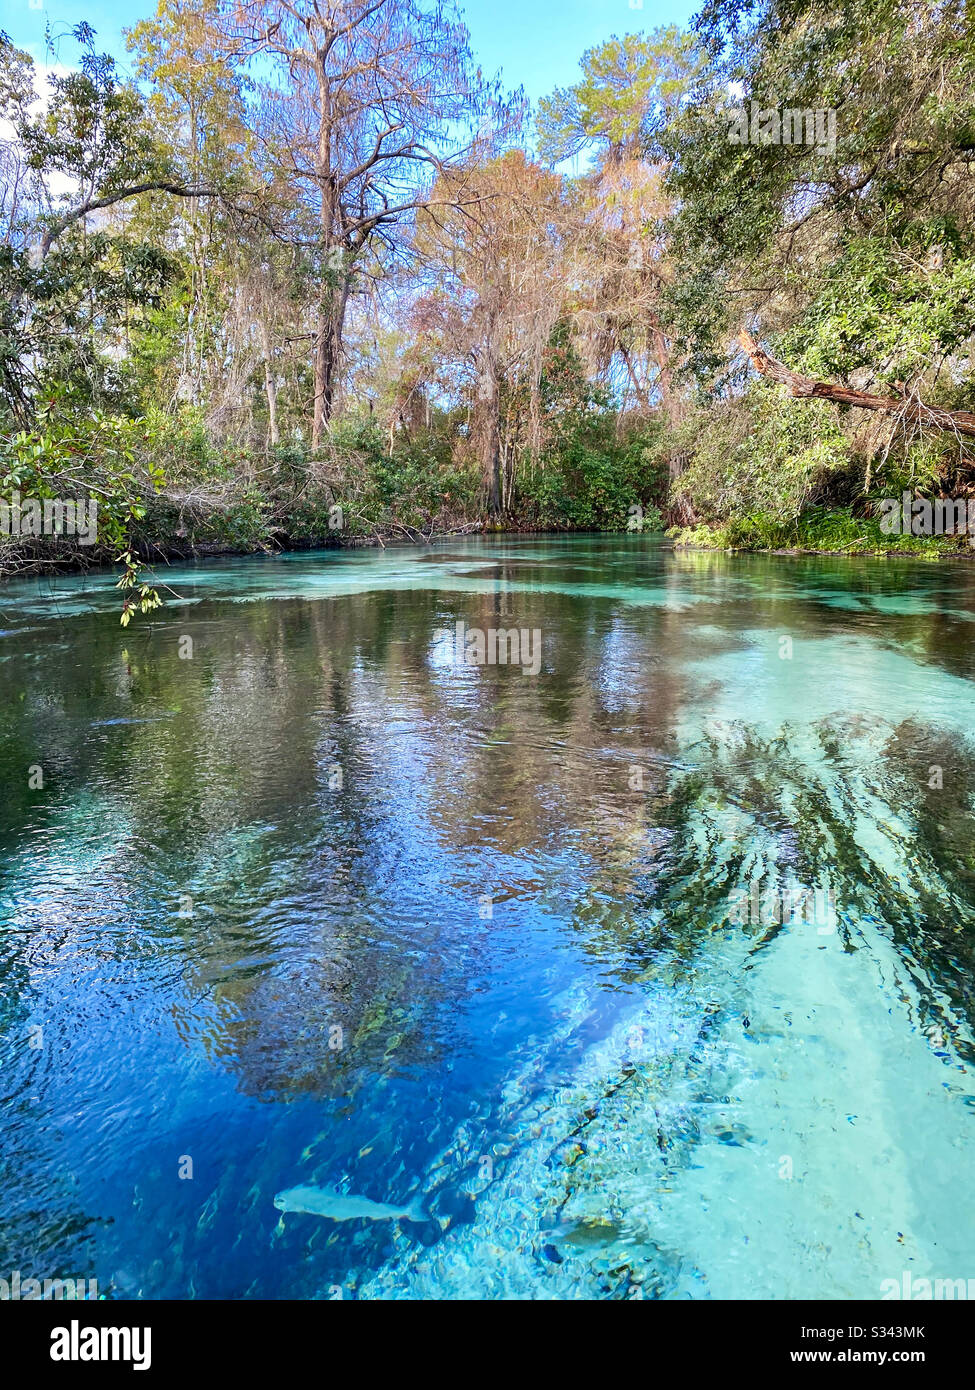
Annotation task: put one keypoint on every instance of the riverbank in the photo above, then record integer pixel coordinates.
(53, 558)
(818, 532)
(61, 556)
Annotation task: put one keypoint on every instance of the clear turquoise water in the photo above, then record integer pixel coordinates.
(605, 1088)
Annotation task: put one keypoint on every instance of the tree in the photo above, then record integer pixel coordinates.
(361, 110)
(629, 88)
(197, 103)
(841, 240)
(489, 237)
(907, 409)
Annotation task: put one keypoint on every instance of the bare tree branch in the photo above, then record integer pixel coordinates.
(909, 409)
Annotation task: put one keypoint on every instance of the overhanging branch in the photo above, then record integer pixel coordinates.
(909, 409)
(57, 228)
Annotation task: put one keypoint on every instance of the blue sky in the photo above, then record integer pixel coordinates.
(537, 43)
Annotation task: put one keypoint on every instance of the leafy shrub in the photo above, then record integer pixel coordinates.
(761, 453)
(591, 480)
(834, 530)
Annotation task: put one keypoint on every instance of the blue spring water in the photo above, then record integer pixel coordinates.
(318, 906)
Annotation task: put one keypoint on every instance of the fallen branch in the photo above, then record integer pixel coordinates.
(909, 409)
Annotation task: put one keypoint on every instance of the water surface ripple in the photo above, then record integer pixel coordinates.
(316, 905)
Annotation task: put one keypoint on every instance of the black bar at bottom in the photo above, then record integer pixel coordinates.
(444, 1339)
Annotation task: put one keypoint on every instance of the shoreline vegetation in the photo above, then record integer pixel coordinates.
(831, 534)
(821, 533)
(241, 316)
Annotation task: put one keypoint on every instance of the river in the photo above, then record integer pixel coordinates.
(641, 966)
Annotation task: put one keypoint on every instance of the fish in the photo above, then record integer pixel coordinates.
(341, 1206)
(111, 723)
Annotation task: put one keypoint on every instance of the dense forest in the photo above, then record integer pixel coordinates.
(310, 276)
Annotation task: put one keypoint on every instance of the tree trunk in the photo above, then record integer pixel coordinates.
(328, 349)
(665, 379)
(909, 409)
(325, 358)
(270, 389)
(489, 432)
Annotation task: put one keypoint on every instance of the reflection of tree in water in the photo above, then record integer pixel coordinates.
(315, 906)
(841, 800)
(229, 794)
(438, 795)
(846, 804)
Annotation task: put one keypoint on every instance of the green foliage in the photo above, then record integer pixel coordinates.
(922, 467)
(895, 308)
(416, 487)
(94, 128)
(589, 471)
(591, 481)
(71, 296)
(762, 453)
(628, 88)
(822, 529)
(855, 264)
(63, 457)
(865, 246)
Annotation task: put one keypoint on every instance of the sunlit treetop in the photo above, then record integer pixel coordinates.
(629, 86)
